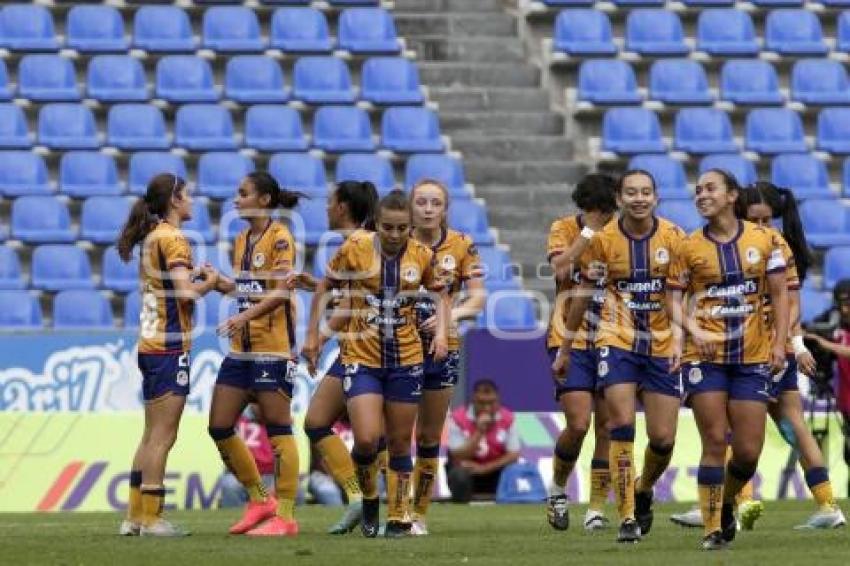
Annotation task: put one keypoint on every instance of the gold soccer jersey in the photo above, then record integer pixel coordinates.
(724, 284)
(256, 265)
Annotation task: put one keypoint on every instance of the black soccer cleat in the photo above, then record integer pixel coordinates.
(370, 522)
(629, 532)
(643, 511)
(557, 512)
(728, 522)
(396, 529)
(714, 541)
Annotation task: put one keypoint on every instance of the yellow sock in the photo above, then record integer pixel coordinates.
(134, 502)
(153, 498)
(600, 484)
(655, 461)
(818, 481)
(367, 474)
(240, 462)
(424, 477)
(711, 505)
(398, 488)
(736, 478)
(746, 493)
(622, 462)
(562, 466)
(339, 465)
(285, 469)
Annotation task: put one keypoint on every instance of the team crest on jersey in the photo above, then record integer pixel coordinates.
(259, 259)
(602, 370)
(753, 255)
(182, 378)
(410, 274)
(695, 375)
(448, 262)
(281, 245)
(662, 256)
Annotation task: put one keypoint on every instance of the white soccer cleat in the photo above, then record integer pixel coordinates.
(690, 519)
(162, 528)
(828, 518)
(129, 529)
(418, 528)
(595, 521)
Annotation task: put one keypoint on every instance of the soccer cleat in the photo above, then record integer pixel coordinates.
(728, 522)
(749, 512)
(827, 518)
(255, 513)
(714, 541)
(162, 528)
(129, 529)
(595, 521)
(557, 512)
(629, 532)
(397, 529)
(691, 519)
(418, 528)
(349, 520)
(275, 527)
(643, 511)
(370, 520)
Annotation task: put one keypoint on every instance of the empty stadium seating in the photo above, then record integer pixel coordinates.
(704, 130)
(116, 78)
(11, 275)
(669, 174)
(56, 267)
(274, 128)
(136, 127)
(81, 310)
(162, 29)
(47, 78)
(366, 167)
(726, 32)
(803, 173)
(19, 311)
(88, 173)
(185, 78)
(584, 32)
(144, 165)
(836, 266)
(301, 172)
(300, 30)
(607, 81)
(117, 275)
(744, 81)
(253, 78)
(390, 80)
(41, 219)
(679, 81)
(23, 173)
(631, 130)
(95, 29)
(826, 222)
(219, 173)
(742, 169)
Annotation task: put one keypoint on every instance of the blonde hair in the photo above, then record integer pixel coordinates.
(444, 223)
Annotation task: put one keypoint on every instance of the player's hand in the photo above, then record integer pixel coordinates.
(806, 363)
(777, 362)
(310, 352)
(232, 325)
(439, 349)
(429, 325)
(676, 360)
(483, 421)
(560, 367)
(705, 348)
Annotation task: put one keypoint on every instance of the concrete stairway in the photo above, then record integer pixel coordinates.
(498, 115)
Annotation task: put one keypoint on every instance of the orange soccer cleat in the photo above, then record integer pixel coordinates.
(255, 513)
(275, 527)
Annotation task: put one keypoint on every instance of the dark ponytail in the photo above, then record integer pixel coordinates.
(147, 212)
(266, 184)
(361, 198)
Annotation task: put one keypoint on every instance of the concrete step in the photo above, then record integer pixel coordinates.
(454, 6)
(476, 75)
(495, 172)
(555, 196)
(483, 99)
(488, 24)
(479, 49)
(512, 148)
(517, 123)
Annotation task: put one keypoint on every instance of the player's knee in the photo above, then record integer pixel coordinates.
(220, 433)
(317, 433)
(366, 445)
(662, 441)
(746, 457)
(578, 427)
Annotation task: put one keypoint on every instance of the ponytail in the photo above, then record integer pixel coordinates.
(266, 184)
(792, 230)
(147, 212)
(361, 199)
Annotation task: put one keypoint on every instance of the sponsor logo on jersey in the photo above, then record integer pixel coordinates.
(748, 287)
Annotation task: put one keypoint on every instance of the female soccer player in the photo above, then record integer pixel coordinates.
(731, 351)
(259, 366)
(634, 341)
(579, 393)
(458, 265)
(350, 207)
(168, 296)
(382, 274)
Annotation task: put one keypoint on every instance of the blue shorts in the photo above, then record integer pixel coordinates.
(257, 375)
(581, 375)
(786, 381)
(402, 384)
(650, 373)
(441, 375)
(164, 373)
(743, 382)
(337, 369)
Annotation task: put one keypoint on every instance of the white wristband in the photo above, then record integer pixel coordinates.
(587, 232)
(799, 346)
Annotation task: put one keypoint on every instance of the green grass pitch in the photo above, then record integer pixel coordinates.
(462, 535)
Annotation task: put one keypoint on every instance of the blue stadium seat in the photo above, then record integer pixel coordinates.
(162, 29)
(367, 30)
(444, 168)
(521, 482)
(776, 3)
(250, 79)
(313, 214)
(390, 80)
(750, 82)
(681, 212)
(820, 81)
(11, 276)
(145, 165)
(498, 271)
(834, 130)
(325, 251)
(14, 132)
(102, 218)
(342, 128)
(567, 3)
(116, 78)
(708, 3)
(58, 267)
(132, 309)
(65, 125)
(813, 303)
(655, 31)
(669, 174)
(794, 32)
(513, 312)
(826, 222)
(136, 126)
(704, 130)
(27, 28)
(208, 314)
(631, 130)
(95, 29)
(274, 127)
(366, 167)
(741, 168)
(216, 254)
(353, 2)
(322, 80)
(583, 32)
(607, 81)
(19, 311)
(470, 217)
(774, 130)
(88, 173)
(300, 171)
(41, 219)
(842, 42)
(23, 173)
(81, 310)
(47, 78)
(232, 28)
(411, 130)
(204, 127)
(185, 78)
(679, 81)
(5, 88)
(300, 30)
(845, 178)
(726, 32)
(117, 275)
(836, 265)
(230, 225)
(219, 173)
(801, 173)
(199, 228)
